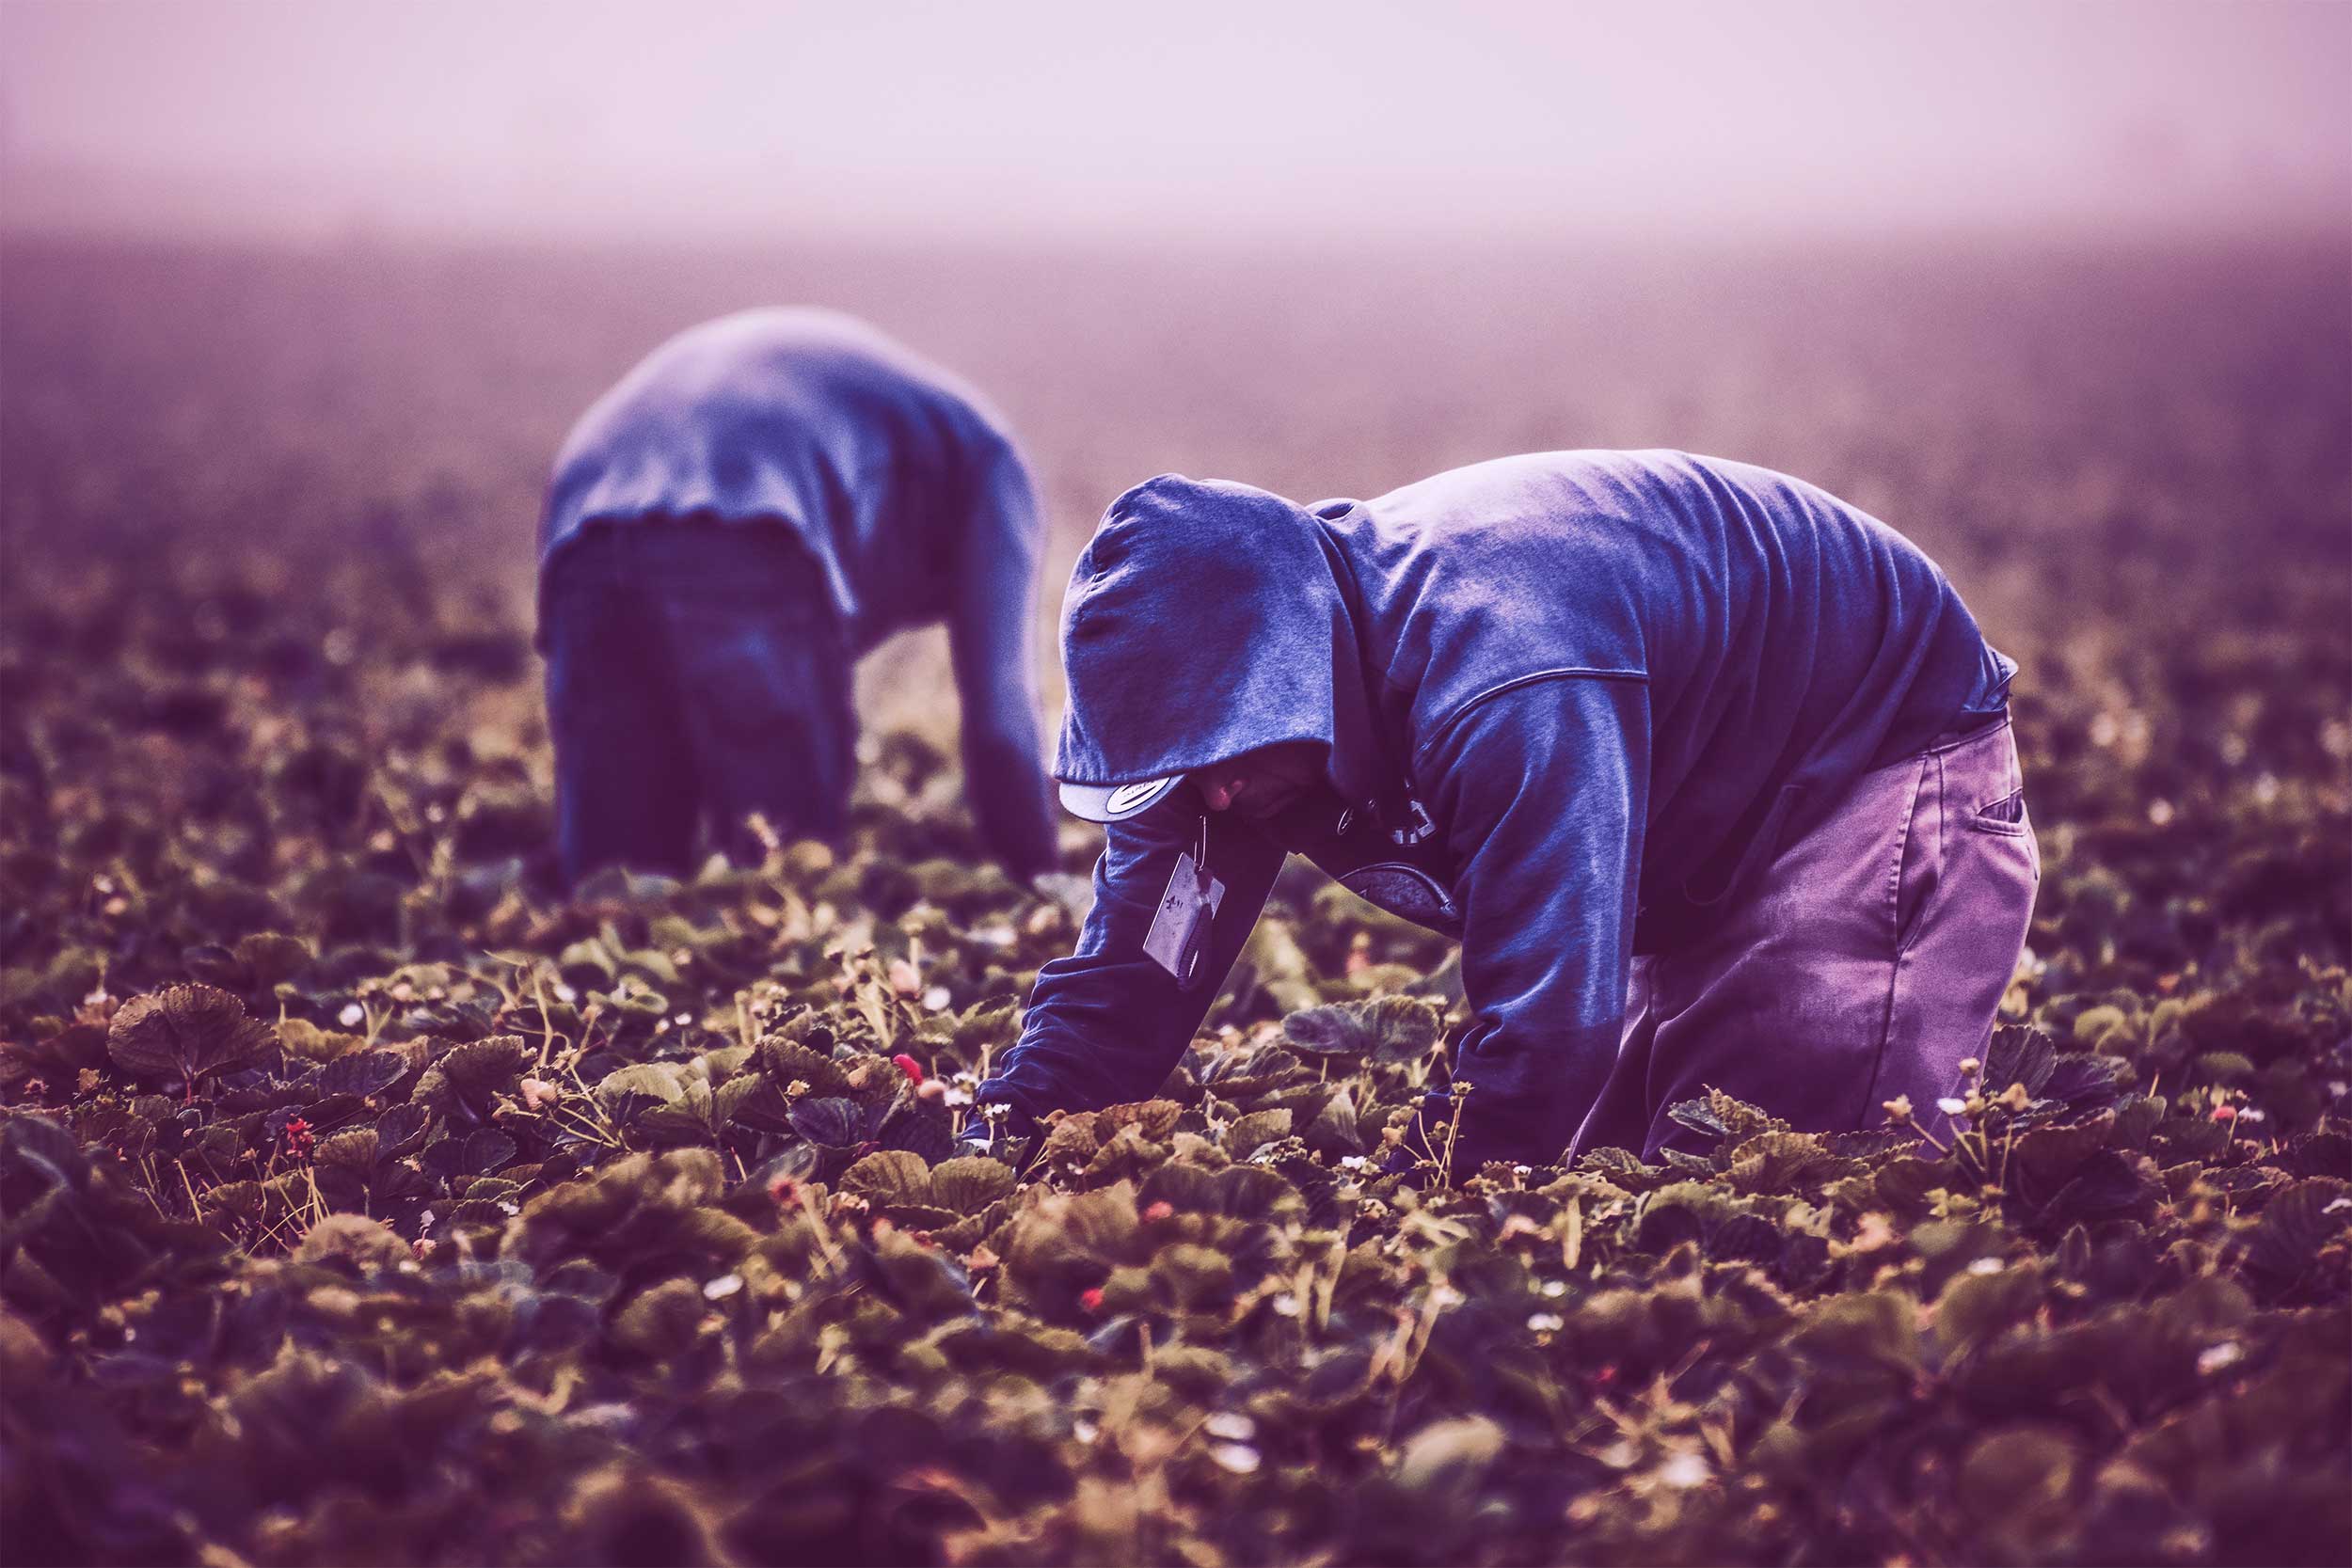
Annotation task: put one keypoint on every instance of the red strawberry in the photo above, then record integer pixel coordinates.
(908, 1064)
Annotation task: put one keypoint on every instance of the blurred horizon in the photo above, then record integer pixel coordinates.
(1054, 122)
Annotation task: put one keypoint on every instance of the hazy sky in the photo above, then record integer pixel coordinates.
(322, 115)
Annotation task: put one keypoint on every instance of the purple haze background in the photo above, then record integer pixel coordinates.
(702, 120)
(2057, 289)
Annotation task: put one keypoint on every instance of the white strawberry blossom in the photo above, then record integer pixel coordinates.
(2214, 1358)
(1240, 1458)
(1684, 1470)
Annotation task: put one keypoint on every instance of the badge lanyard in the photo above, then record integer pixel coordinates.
(1179, 938)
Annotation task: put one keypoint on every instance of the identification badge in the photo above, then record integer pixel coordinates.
(1179, 938)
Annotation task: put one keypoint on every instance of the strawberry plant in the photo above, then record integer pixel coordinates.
(363, 1197)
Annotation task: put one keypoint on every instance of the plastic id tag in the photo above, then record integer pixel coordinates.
(1178, 937)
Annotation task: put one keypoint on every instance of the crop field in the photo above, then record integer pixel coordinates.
(364, 1199)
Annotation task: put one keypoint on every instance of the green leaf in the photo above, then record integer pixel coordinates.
(835, 1122)
(1333, 1030)
(2296, 1224)
(1393, 1030)
(971, 1182)
(1447, 1457)
(1255, 1131)
(889, 1177)
(2018, 1054)
(362, 1073)
(185, 1032)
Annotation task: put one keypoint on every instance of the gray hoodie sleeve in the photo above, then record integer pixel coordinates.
(989, 639)
(1105, 1025)
(1543, 792)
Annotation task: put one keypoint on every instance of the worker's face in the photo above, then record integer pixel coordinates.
(1259, 784)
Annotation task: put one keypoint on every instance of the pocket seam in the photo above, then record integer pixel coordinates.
(1983, 824)
(1903, 843)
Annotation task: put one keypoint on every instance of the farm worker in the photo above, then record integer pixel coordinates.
(1710, 772)
(755, 506)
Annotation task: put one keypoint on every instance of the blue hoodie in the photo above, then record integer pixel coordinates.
(902, 482)
(1613, 682)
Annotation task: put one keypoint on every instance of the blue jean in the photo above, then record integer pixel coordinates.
(697, 672)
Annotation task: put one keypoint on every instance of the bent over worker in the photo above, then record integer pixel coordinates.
(755, 506)
(1710, 772)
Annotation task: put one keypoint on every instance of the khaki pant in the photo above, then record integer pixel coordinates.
(1866, 965)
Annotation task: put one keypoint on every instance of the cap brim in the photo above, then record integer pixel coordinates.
(1115, 803)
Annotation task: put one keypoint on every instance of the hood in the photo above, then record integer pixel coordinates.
(1203, 620)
